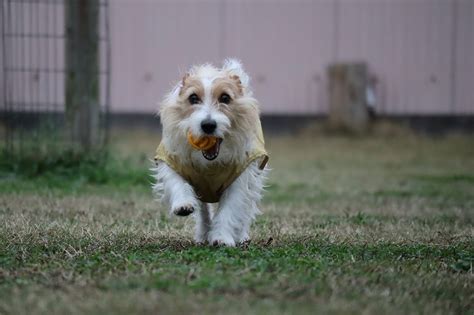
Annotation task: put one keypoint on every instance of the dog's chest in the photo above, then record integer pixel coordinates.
(210, 182)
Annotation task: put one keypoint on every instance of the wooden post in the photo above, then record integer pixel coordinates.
(347, 97)
(82, 72)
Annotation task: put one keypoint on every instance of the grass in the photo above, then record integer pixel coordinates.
(350, 225)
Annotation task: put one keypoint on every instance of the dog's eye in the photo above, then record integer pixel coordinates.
(194, 99)
(224, 98)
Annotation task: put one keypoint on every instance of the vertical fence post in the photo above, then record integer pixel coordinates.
(82, 72)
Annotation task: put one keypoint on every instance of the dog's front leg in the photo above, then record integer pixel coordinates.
(175, 191)
(203, 223)
(237, 208)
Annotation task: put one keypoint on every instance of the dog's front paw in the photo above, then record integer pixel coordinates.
(201, 237)
(221, 239)
(183, 211)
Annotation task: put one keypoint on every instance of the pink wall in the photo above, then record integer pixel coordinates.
(420, 50)
(153, 43)
(35, 79)
(286, 45)
(407, 45)
(463, 84)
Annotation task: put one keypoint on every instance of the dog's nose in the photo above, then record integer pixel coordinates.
(208, 125)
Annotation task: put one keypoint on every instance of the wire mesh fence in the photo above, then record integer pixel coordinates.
(55, 74)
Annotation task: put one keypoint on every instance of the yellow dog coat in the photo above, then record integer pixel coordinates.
(210, 182)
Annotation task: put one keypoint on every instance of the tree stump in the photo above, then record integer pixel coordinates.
(347, 97)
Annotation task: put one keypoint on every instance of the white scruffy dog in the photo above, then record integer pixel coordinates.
(212, 104)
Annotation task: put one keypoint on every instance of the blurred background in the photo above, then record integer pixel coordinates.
(368, 115)
(72, 69)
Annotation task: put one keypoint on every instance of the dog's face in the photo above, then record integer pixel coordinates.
(210, 102)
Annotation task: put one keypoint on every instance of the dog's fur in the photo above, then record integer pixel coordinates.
(228, 222)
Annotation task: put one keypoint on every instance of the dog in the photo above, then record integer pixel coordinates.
(222, 185)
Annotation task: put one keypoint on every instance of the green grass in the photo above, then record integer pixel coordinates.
(69, 172)
(350, 225)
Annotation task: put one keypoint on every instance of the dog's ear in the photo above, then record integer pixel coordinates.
(185, 77)
(182, 83)
(178, 88)
(236, 72)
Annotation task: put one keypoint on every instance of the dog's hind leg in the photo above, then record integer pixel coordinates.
(203, 223)
(238, 208)
(174, 191)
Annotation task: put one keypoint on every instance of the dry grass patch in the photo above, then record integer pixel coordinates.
(364, 225)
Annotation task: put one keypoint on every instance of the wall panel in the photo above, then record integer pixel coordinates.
(463, 84)
(153, 43)
(421, 51)
(407, 46)
(286, 46)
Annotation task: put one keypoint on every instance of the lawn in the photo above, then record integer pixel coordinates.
(374, 225)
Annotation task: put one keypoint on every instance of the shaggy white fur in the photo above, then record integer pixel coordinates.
(229, 222)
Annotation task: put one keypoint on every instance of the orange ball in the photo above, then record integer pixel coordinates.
(202, 143)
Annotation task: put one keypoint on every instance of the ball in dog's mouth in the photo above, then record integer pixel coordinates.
(213, 152)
